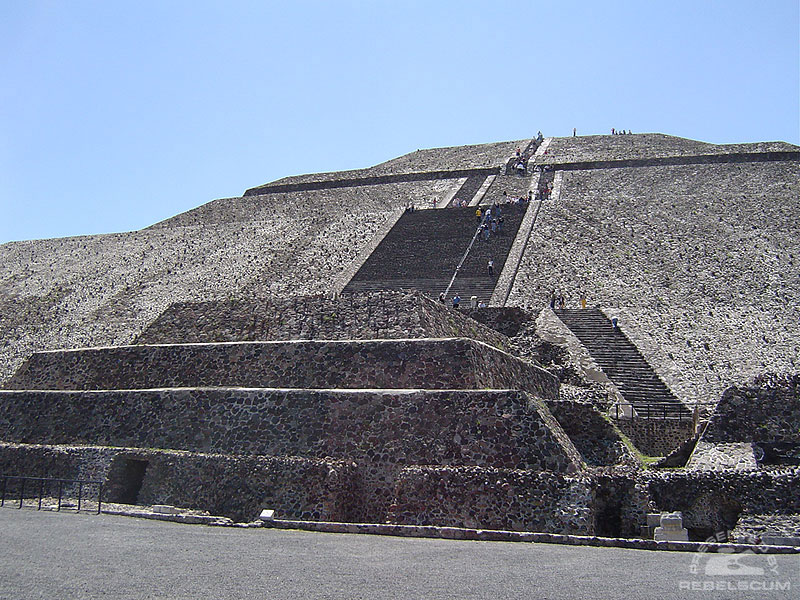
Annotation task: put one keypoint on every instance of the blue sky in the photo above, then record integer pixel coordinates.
(115, 115)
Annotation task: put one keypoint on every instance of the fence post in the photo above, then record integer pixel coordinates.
(21, 490)
(3, 493)
(60, 492)
(99, 496)
(41, 493)
(80, 493)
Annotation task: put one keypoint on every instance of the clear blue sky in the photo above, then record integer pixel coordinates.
(115, 115)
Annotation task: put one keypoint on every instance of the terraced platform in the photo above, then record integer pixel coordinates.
(456, 363)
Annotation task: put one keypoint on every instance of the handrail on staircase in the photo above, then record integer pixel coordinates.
(466, 253)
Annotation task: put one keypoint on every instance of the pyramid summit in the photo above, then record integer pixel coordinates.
(536, 286)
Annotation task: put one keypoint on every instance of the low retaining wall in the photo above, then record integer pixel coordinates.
(519, 500)
(656, 437)
(605, 502)
(234, 486)
(712, 501)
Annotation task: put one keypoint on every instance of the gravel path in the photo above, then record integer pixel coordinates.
(48, 555)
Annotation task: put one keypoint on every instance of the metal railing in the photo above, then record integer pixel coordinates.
(43, 487)
(653, 411)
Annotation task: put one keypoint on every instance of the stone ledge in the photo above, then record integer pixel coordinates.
(373, 180)
(451, 533)
(458, 533)
(674, 160)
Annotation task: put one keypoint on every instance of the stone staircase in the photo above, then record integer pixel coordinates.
(423, 249)
(468, 189)
(625, 366)
(526, 154)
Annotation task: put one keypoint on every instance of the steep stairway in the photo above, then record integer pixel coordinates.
(423, 249)
(625, 366)
(468, 189)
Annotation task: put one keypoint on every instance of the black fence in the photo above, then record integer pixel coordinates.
(16, 489)
(652, 412)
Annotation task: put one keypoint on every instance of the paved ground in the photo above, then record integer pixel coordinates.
(60, 556)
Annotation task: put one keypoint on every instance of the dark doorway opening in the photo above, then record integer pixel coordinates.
(127, 477)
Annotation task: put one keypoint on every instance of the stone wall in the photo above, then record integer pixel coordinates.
(382, 431)
(454, 158)
(753, 426)
(376, 315)
(621, 502)
(766, 410)
(508, 320)
(598, 442)
(371, 364)
(656, 437)
(493, 498)
(411, 427)
(589, 148)
(233, 486)
(364, 179)
(324, 202)
(713, 501)
(103, 290)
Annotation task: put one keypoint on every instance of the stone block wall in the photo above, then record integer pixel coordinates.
(491, 498)
(498, 428)
(241, 486)
(373, 315)
(589, 148)
(656, 437)
(372, 364)
(508, 320)
(331, 203)
(754, 425)
(382, 431)
(621, 502)
(595, 438)
(234, 486)
(766, 410)
(713, 501)
(104, 290)
(455, 158)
